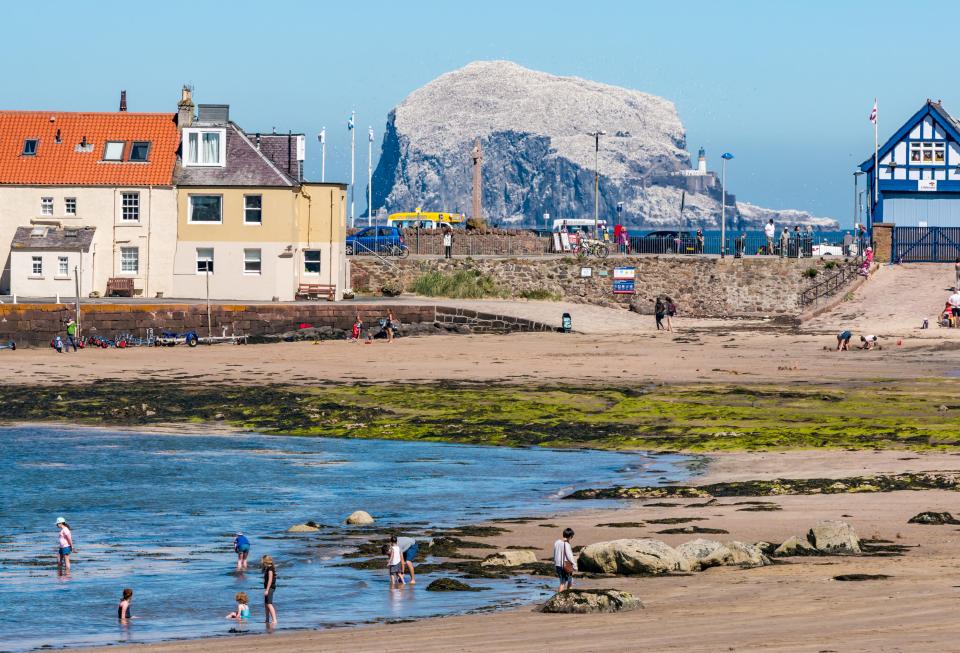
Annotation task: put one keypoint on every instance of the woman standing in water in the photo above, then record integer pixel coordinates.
(269, 585)
(64, 546)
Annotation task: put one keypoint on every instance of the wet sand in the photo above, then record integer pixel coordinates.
(793, 606)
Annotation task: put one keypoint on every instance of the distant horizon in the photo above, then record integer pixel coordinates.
(786, 88)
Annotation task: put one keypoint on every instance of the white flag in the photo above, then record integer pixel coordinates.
(323, 135)
(873, 114)
(350, 123)
(370, 134)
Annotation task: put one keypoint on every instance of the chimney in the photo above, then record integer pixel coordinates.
(185, 108)
(123, 100)
(258, 140)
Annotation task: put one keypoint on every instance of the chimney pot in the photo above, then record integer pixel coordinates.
(185, 108)
(123, 100)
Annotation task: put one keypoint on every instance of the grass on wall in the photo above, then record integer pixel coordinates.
(462, 284)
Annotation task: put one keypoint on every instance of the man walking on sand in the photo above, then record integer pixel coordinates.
(769, 231)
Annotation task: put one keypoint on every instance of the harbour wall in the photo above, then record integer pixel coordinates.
(700, 286)
(36, 324)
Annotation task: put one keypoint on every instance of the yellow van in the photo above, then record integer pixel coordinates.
(425, 219)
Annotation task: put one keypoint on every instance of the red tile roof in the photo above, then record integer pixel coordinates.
(65, 163)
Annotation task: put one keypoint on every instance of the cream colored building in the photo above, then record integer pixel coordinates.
(111, 173)
(248, 227)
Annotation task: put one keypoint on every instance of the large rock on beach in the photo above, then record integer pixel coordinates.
(359, 518)
(744, 554)
(834, 537)
(303, 528)
(795, 546)
(632, 557)
(935, 518)
(451, 585)
(702, 554)
(511, 558)
(591, 601)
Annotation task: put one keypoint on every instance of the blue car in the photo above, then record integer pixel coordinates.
(377, 240)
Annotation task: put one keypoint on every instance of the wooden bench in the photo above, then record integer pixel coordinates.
(316, 291)
(119, 287)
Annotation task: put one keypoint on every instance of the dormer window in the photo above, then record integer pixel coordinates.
(139, 151)
(113, 151)
(928, 153)
(204, 147)
(30, 147)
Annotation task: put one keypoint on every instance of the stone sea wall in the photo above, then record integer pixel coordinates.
(36, 324)
(700, 286)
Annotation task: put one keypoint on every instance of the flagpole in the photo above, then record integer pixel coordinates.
(876, 166)
(370, 177)
(353, 165)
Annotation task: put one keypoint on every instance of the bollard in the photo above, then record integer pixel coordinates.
(58, 298)
(14, 298)
(566, 323)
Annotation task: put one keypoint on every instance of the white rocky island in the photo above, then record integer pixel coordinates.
(539, 154)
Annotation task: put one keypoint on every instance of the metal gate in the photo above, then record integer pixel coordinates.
(926, 244)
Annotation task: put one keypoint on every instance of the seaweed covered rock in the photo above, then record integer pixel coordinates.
(451, 585)
(632, 557)
(359, 518)
(935, 518)
(834, 536)
(511, 558)
(795, 546)
(703, 554)
(591, 601)
(744, 554)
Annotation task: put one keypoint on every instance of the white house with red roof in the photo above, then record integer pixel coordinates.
(87, 195)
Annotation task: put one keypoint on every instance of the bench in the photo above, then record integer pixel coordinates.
(119, 286)
(316, 291)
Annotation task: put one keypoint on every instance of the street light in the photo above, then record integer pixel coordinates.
(856, 198)
(596, 185)
(322, 137)
(726, 156)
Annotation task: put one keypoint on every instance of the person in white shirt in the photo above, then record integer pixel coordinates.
(564, 561)
(447, 242)
(394, 563)
(769, 231)
(954, 301)
(869, 342)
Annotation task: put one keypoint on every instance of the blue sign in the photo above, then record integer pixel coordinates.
(623, 286)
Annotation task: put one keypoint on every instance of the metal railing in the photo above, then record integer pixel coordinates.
(829, 286)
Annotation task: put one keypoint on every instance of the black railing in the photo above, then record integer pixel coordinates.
(829, 286)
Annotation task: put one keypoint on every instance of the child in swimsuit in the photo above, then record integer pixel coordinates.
(243, 607)
(123, 609)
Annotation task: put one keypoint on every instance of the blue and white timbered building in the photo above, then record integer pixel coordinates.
(919, 172)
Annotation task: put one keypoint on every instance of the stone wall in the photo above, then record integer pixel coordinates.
(37, 324)
(701, 286)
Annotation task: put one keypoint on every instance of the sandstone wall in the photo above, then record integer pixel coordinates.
(701, 286)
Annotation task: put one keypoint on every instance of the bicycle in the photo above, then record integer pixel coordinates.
(587, 247)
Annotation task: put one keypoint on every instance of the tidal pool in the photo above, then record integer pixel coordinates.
(156, 512)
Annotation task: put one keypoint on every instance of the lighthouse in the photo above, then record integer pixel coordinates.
(702, 162)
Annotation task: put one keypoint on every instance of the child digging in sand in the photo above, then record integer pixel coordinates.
(243, 607)
(394, 563)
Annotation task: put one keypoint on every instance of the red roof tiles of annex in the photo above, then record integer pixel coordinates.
(68, 163)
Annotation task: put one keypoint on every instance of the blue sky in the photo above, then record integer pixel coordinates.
(786, 87)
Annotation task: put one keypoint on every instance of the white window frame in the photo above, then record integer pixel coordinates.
(248, 258)
(63, 267)
(306, 271)
(198, 132)
(203, 257)
(46, 206)
(67, 201)
(246, 208)
(36, 267)
(126, 259)
(107, 148)
(133, 206)
(190, 219)
(928, 147)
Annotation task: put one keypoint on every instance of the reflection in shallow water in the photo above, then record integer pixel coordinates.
(157, 512)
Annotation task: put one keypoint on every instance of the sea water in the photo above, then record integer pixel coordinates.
(157, 513)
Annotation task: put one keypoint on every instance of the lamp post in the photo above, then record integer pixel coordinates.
(726, 156)
(370, 176)
(596, 181)
(856, 197)
(353, 164)
(322, 137)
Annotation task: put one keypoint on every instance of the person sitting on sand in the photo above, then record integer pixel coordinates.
(843, 340)
(953, 301)
(868, 342)
(394, 563)
(243, 607)
(242, 546)
(357, 329)
(123, 608)
(408, 549)
(563, 560)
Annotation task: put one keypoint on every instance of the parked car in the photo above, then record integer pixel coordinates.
(665, 242)
(379, 240)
